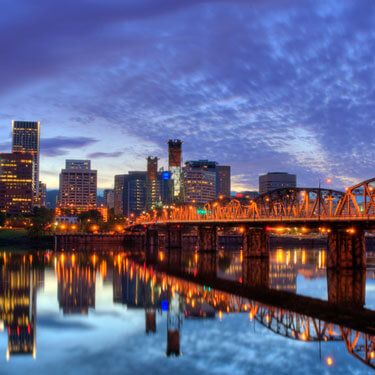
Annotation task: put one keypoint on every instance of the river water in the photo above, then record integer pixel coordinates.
(113, 313)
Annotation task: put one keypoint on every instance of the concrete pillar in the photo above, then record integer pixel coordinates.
(150, 315)
(207, 238)
(174, 237)
(152, 245)
(346, 287)
(256, 272)
(255, 242)
(174, 326)
(207, 265)
(346, 249)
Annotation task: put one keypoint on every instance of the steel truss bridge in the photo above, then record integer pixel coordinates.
(295, 205)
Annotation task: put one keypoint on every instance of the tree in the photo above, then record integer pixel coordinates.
(41, 221)
(2, 219)
(90, 218)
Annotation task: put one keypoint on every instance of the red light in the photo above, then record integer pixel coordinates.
(239, 195)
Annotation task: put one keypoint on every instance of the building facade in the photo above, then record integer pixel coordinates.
(152, 185)
(175, 167)
(109, 198)
(78, 186)
(199, 181)
(223, 183)
(16, 183)
(26, 138)
(276, 180)
(130, 193)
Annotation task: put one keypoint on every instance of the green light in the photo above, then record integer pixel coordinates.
(201, 211)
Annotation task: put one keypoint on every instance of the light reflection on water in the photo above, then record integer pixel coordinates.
(105, 313)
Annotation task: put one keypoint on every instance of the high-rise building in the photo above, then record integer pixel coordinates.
(223, 185)
(42, 195)
(152, 186)
(26, 138)
(222, 175)
(165, 186)
(130, 193)
(174, 164)
(78, 186)
(276, 180)
(109, 198)
(199, 181)
(16, 183)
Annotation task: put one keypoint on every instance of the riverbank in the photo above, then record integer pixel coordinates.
(18, 238)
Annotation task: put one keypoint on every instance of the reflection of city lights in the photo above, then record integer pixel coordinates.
(220, 315)
(372, 355)
(329, 361)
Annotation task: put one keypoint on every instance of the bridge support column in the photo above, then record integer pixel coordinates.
(152, 244)
(174, 237)
(207, 265)
(150, 315)
(256, 242)
(207, 238)
(346, 250)
(347, 287)
(256, 272)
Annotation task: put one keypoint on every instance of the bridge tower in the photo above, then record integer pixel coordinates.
(346, 249)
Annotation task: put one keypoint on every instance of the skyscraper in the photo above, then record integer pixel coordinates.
(223, 185)
(199, 182)
(109, 198)
(26, 138)
(78, 186)
(16, 183)
(130, 193)
(152, 190)
(174, 163)
(276, 180)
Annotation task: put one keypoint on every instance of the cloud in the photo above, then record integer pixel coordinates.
(98, 155)
(61, 145)
(258, 85)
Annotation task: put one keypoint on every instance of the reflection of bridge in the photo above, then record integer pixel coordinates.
(343, 216)
(295, 317)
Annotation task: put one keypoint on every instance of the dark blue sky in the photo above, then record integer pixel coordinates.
(262, 85)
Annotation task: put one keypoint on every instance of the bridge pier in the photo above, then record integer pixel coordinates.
(256, 272)
(174, 237)
(150, 315)
(207, 238)
(255, 242)
(152, 244)
(346, 249)
(347, 287)
(207, 265)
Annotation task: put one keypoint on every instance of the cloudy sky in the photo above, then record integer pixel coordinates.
(271, 85)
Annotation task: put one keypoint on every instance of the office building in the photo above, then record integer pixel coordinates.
(165, 186)
(199, 182)
(175, 167)
(130, 193)
(78, 186)
(223, 183)
(276, 180)
(109, 198)
(152, 188)
(26, 138)
(16, 183)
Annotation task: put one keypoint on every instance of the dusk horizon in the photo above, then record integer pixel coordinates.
(261, 86)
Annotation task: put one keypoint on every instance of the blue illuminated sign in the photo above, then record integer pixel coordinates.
(166, 175)
(164, 305)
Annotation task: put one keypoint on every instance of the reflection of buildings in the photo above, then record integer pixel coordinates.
(18, 288)
(76, 286)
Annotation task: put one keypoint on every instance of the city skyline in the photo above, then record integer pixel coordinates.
(290, 89)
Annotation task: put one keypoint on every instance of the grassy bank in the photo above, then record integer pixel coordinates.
(18, 239)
